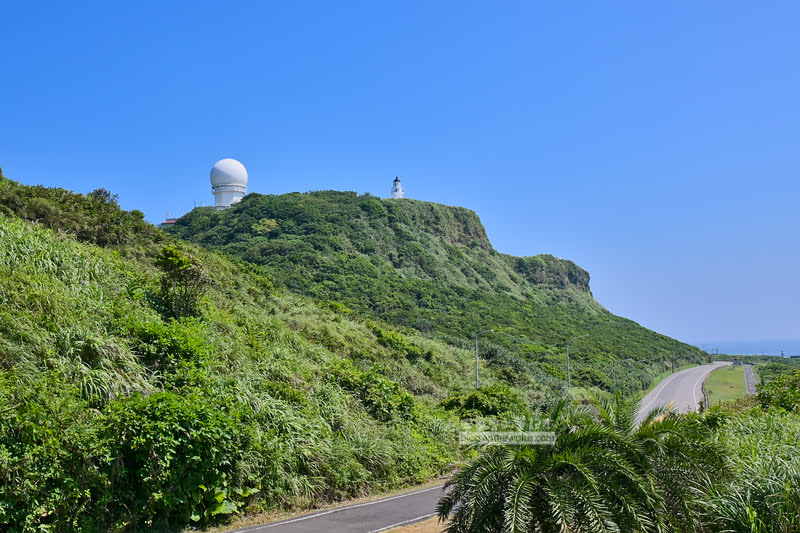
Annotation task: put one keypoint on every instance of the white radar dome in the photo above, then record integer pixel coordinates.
(228, 172)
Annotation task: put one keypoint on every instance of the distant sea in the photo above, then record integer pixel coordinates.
(764, 347)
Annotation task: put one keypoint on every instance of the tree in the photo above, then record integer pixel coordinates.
(104, 196)
(602, 473)
(183, 281)
(265, 226)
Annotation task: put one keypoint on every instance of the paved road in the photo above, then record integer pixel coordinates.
(683, 388)
(749, 379)
(368, 517)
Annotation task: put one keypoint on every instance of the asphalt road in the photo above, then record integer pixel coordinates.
(749, 379)
(683, 389)
(367, 517)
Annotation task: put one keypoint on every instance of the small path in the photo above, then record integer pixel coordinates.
(749, 379)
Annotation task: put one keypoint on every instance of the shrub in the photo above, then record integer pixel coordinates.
(383, 398)
(176, 459)
(398, 342)
(162, 345)
(183, 282)
(783, 392)
(495, 400)
(601, 473)
(55, 458)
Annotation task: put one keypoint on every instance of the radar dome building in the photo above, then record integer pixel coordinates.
(397, 188)
(228, 182)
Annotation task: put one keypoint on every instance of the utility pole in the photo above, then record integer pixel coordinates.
(614, 370)
(569, 378)
(477, 383)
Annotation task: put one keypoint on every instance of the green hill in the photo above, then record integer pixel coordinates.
(118, 415)
(150, 383)
(431, 267)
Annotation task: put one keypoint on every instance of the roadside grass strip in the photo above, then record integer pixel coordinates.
(726, 385)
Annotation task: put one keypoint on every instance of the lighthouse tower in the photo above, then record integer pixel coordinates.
(397, 189)
(228, 182)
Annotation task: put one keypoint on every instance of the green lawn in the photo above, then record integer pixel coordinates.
(726, 384)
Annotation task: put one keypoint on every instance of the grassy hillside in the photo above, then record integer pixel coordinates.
(124, 411)
(118, 416)
(432, 268)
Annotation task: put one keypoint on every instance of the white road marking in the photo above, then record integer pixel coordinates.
(717, 365)
(699, 380)
(661, 385)
(417, 519)
(323, 513)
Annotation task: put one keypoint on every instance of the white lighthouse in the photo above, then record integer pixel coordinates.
(397, 189)
(228, 182)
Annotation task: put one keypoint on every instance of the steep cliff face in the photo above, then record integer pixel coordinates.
(548, 270)
(407, 238)
(455, 225)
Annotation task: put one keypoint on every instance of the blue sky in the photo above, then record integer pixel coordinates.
(655, 144)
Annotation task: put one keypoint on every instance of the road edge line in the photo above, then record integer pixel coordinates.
(404, 522)
(331, 511)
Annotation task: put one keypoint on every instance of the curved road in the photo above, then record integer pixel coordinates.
(684, 390)
(367, 517)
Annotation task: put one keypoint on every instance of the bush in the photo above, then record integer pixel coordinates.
(397, 342)
(383, 398)
(783, 392)
(95, 218)
(163, 345)
(55, 458)
(183, 282)
(495, 400)
(176, 459)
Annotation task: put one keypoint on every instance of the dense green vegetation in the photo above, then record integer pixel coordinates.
(783, 392)
(95, 218)
(763, 495)
(149, 383)
(124, 410)
(762, 438)
(603, 473)
(432, 268)
(734, 468)
(770, 367)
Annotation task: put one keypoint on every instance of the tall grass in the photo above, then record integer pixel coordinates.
(100, 396)
(50, 285)
(765, 494)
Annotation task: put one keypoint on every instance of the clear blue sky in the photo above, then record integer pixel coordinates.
(657, 144)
